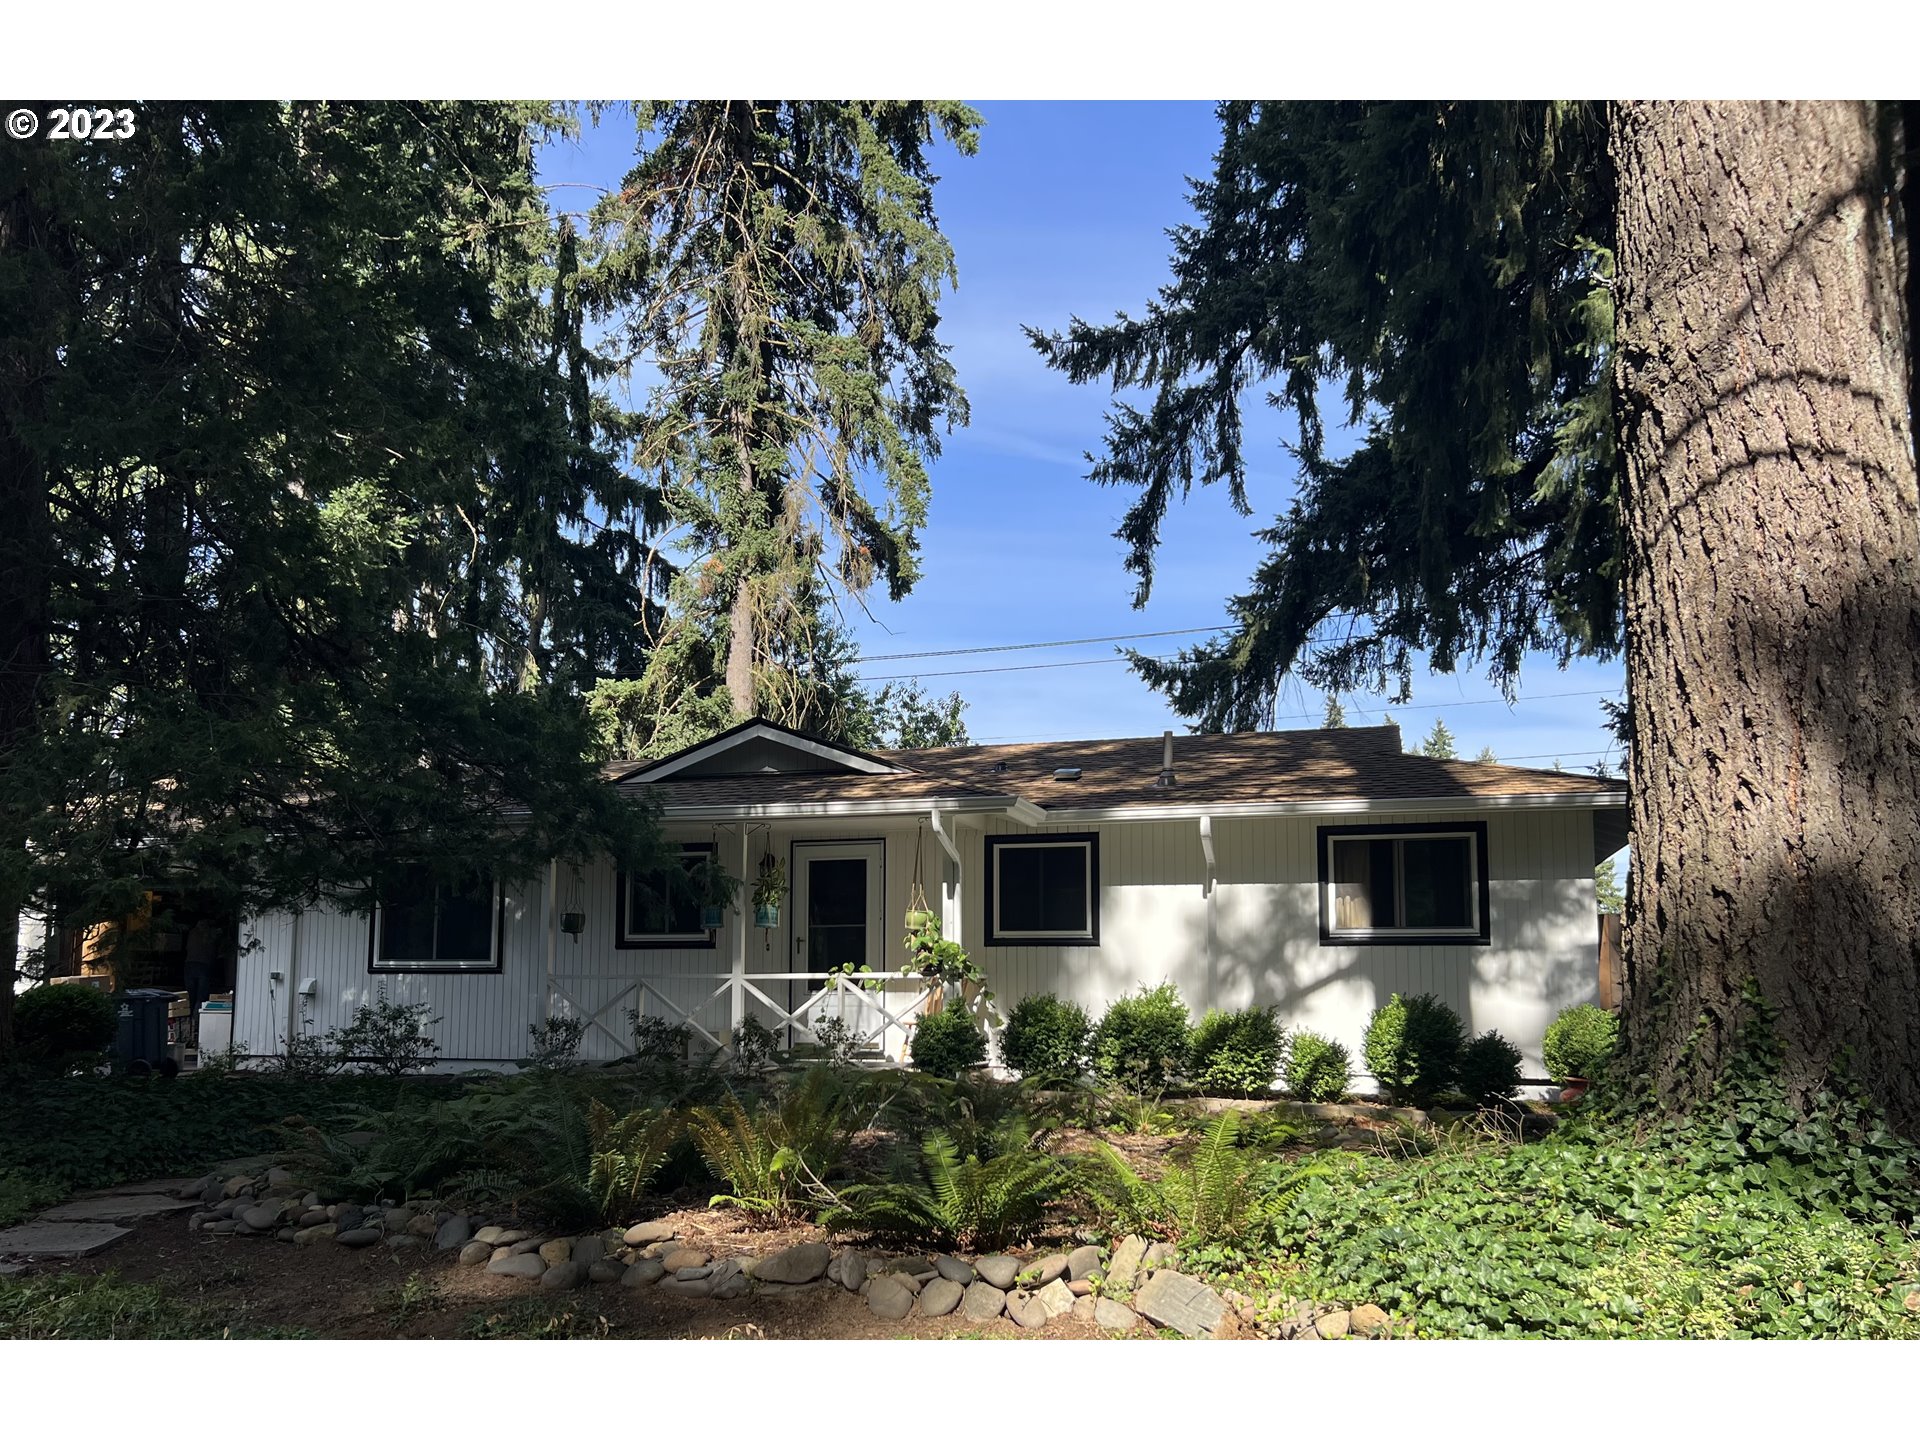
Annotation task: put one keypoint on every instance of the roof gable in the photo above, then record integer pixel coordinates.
(761, 747)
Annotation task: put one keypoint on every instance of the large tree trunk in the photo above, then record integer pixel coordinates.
(1773, 597)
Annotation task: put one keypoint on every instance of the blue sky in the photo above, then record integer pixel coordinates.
(1064, 211)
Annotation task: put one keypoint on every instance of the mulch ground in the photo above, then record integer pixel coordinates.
(382, 1294)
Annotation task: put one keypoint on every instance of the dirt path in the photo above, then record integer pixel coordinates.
(382, 1294)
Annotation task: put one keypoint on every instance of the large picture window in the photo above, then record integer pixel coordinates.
(427, 924)
(652, 913)
(1043, 890)
(1403, 884)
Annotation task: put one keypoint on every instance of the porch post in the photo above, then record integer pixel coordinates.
(553, 929)
(742, 897)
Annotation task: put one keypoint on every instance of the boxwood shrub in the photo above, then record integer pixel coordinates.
(1235, 1051)
(1579, 1041)
(1489, 1069)
(1413, 1046)
(947, 1043)
(61, 1025)
(1318, 1070)
(1142, 1040)
(1047, 1037)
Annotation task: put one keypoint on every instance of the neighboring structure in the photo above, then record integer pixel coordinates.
(1316, 871)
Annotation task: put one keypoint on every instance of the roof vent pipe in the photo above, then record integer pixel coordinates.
(1166, 780)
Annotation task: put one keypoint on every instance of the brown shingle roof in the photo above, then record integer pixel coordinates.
(1360, 763)
(1357, 763)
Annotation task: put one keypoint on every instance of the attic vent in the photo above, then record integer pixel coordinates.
(999, 767)
(1067, 772)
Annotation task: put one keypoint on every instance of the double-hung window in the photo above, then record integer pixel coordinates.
(1043, 890)
(1405, 884)
(426, 924)
(653, 912)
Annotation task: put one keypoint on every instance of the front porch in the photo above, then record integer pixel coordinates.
(832, 953)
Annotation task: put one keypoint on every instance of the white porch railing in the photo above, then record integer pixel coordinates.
(882, 1018)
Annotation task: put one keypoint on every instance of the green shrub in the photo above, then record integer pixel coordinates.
(1235, 1051)
(1413, 1047)
(1579, 1041)
(389, 1038)
(62, 1026)
(1319, 1070)
(947, 1043)
(105, 1307)
(626, 1154)
(1047, 1037)
(1142, 1040)
(554, 1044)
(1489, 1069)
(955, 1201)
(770, 1156)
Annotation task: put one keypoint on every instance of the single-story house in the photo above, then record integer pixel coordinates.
(1316, 871)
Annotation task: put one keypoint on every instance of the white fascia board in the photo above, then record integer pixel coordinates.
(800, 810)
(1607, 801)
(720, 744)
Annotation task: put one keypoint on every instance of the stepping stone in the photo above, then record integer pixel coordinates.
(139, 1205)
(196, 1183)
(61, 1240)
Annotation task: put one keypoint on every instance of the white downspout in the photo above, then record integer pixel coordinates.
(741, 898)
(293, 979)
(951, 923)
(1207, 889)
(553, 928)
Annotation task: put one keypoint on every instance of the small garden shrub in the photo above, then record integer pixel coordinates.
(1489, 1069)
(771, 1156)
(1413, 1046)
(62, 1027)
(554, 1044)
(389, 1038)
(1142, 1040)
(657, 1041)
(1319, 1070)
(1579, 1041)
(1047, 1037)
(1235, 1052)
(947, 1044)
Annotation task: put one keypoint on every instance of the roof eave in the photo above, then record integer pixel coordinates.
(1193, 810)
(818, 809)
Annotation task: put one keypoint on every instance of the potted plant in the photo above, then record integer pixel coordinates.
(716, 889)
(572, 922)
(919, 919)
(769, 889)
(946, 967)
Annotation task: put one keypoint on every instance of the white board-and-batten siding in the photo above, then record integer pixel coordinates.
(1254, 941)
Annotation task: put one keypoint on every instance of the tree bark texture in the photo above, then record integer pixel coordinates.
(1772, 596)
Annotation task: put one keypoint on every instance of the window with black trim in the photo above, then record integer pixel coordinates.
(1383, 884)
(426, 924)
(1043, 890)
(652, 913)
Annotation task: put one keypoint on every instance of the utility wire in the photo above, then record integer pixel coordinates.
(1031, 645)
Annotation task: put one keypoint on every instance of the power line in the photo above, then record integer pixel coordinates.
(1032, 645)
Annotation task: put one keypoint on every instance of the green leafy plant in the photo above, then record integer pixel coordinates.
(955, 1201)
(1489, 1069)
(1142, 1040)
(947, 1043)
(1220, 1193)
(770, 885)
(981, 1115)
(1579, 1041)
(64, 1028)
(105, 1307)
(306, 1056)
(624, 1154)
(1413, 1046)
(657, 1041)
(389, 1038)
(1318, 1069)
(1047, 1037)
(754, 1046)
(554, 1043)
(939, 961)
(772, 1155)
(1235, 1052)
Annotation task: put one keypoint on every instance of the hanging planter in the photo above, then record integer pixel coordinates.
(716, 889)
(919, 915)
(572, 922)
(712, 917)
(769, 889)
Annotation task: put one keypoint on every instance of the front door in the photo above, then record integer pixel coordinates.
(838, 897)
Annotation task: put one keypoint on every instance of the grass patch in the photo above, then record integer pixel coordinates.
(535, 1318)
(102, 1307)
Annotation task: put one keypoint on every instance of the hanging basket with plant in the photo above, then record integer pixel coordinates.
(919, 913)
(769, 889)
(716, 890)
